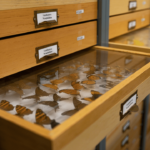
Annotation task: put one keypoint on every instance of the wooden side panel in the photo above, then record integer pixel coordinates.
(119, 7)
(19, 52)
(119, 24)
(16, 4)
(21, 20)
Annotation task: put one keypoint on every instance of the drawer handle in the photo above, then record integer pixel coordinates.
(125, 141)
(45, 18)
(46, 52)
(129, 106)
(126, 126)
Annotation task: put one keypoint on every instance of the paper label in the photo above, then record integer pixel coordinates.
(80, 11)
(45, 17)
(132, 5)
(126, 126)
(80, 38)
(131, 102)
(143, 19)
(132, 24)
(125, 140)
(47, 51)
(127, 61)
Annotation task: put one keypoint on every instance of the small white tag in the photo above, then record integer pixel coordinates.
(80, 11)
(131, 102)
(48, 16)
(132, 5)
(132, 24)
(125, 140)
(127, 61)
(143, 19)
(47, 51)
(80, 38)
(144, 2)
(126, 126)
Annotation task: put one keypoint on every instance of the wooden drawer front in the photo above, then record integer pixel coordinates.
(16, 4)
(119, 24)
(19, 52)
(119, 7)
(21, 20)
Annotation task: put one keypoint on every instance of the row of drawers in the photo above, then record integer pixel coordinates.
(120, 7)
(119, 25)
(129, 127)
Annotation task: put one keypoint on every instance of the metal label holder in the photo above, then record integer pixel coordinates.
(133, 26)
(133, 7)
(45, 23)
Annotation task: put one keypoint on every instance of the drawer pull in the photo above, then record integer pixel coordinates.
(131, 24)
(126, 126)
(129, 106)
(44, 18)
(125, 141)
(132, 5)
(46, 52)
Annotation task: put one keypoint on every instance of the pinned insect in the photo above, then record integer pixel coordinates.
(88, 82)
(22, 111)
(5, 105)
(70, 91)
(54, 87)
(77, 86)
(93, 77)
(57, 81)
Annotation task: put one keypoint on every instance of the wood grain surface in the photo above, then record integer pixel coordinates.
(118, 25)
(19, 21)
(19, 52)
(16, 4)
(119, 7)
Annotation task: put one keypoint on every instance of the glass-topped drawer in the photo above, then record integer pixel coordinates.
(75, 99)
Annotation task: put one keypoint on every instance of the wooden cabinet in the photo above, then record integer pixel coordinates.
(119, 25)
(18, 21)
(119, 7)
(18, 53)
(102, 114)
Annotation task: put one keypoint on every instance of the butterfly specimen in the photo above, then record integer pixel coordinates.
(21, 110)
(71, 77)
(38, 93)
(78, 106)
(58, 98)
(91, 71)
(57, 81)
(93, 77)
(70, 91)
(54, 87)
(77, 86)
(42, 118)
(5, 105)
(88, 82)
(107, 72)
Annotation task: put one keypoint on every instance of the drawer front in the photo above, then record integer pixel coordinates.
(119, 24)
(19, 21)
(19, 52)
(16, 4)
(120, 7)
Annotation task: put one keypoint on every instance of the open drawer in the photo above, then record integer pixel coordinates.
(47, 107)
(135, 41)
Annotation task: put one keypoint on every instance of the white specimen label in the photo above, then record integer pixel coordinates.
(80, 38)
(80, 11)
(143, 19)
(127, 61)
(125, 140)
(132, 24)
(47, 51)
(48, 16)
(144, 2)
(126, 126)
(131, 102)
(132, 5)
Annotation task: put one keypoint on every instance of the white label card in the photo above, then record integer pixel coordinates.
(125, 140)
(47, 51)
(47, 16)
(80, 11)
(132, 5)
(80, 38)
(132, 24)
(126, 126)
(131, 102)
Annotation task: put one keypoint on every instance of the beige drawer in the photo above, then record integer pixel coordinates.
(120, 7)
(81, 130)
(18, 21)
(119, 24)
(19, 52)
